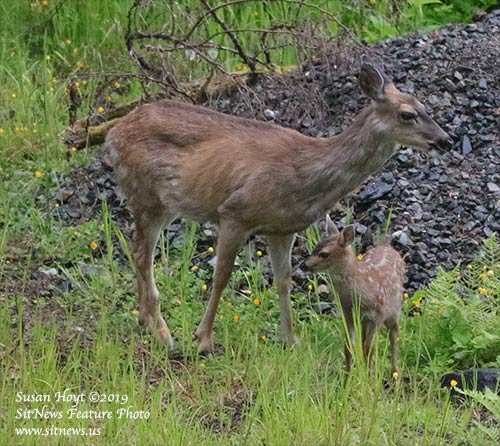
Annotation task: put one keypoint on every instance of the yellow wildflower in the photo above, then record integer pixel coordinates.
(310, 287)
(406, 295)
(441, 311)
(236, 318)
(75, 51)
(100, 109)
(453, 383)
(67, 41)
(38, 174)
(45, 2)
(360, 256)
(93, 246)
(134, 312)
(259, 253)
(14, 95)
(263, 337)
(79, 64)
(2, 131)
(204, 287)
(229, 304)
(395, 376)
(211, 250)
(47, 57)
(256, 301)
(416, 303)
(73, 149)
(117, 84)
(195, 268)
(202, 365)
(163, 330)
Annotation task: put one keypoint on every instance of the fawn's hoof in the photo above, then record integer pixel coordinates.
(290, 341)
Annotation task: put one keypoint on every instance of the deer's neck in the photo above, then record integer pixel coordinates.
(345, 161)
(343, 276)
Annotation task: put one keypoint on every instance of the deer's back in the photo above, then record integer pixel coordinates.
(204, 163)
(378, 280)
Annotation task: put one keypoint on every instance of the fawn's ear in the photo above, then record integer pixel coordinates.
(347, 235)
(330, 228)
(373, 80)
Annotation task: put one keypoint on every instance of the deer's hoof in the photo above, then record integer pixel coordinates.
(205, 343)
(290, 341)
(163, 335)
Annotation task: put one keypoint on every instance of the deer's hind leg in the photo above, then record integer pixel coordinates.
(149, 223)
(392, 325)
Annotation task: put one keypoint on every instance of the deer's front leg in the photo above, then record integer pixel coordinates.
(350, 338)
(368, 328)
(231, 237)
(281, 253)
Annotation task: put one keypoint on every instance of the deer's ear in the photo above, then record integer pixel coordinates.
(373, 80)
(330, 228)
(347, 235)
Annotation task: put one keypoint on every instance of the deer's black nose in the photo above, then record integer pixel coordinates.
(444, 144)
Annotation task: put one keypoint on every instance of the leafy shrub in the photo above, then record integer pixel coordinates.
(457, 319)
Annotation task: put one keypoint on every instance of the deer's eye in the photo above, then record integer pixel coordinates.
(323, 255)
(407, 116)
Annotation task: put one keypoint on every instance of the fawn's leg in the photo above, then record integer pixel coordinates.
(350, 339)
(393, 326)
(281, 251)
(231, 237)
(368, 328)
(148, 226)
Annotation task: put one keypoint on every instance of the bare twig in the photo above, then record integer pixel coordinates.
(250, 61)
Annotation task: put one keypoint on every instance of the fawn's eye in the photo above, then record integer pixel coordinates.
(323, 255)
(407, 116)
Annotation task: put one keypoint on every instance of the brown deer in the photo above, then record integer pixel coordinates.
(375, 283)
(173, 159)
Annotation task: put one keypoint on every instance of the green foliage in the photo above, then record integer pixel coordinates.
(84, 334)
(459, 315)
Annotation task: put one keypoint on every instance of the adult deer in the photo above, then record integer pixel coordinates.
(173, 159)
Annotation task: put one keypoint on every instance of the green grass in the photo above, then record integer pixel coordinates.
(84, 335)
